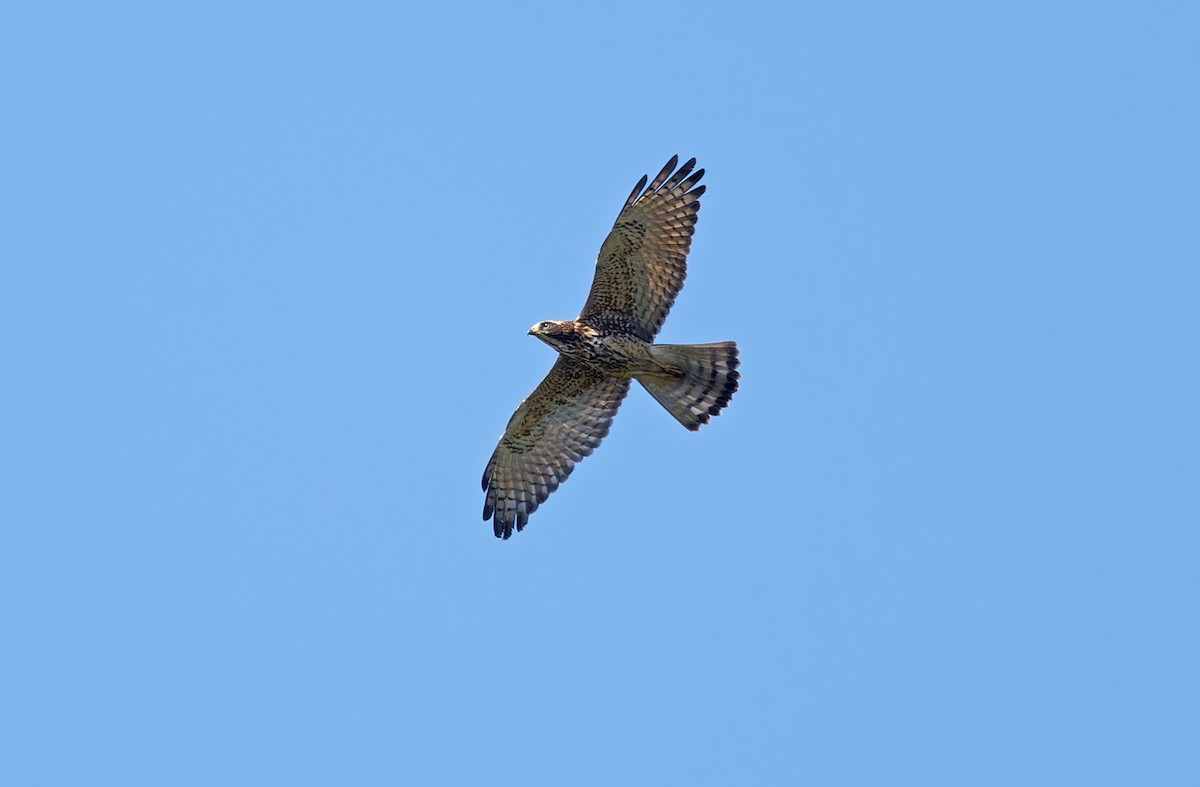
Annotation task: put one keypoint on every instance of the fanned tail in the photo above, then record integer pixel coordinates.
(698, 380)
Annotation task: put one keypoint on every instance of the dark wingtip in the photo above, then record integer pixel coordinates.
(637, 190)
(664, 174)
(501, 528)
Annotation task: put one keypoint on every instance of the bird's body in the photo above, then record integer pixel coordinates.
(640, 270)
(618, 354)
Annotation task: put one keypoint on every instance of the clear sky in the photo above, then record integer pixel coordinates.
(266, 271)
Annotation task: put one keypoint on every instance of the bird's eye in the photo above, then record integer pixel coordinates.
(544, 325)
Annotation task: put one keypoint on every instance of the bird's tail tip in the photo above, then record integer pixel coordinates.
(706, 379)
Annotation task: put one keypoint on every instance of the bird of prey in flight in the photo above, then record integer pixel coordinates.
(639, 272)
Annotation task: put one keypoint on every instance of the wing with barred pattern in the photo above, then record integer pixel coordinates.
(643, 262)
(560, 423)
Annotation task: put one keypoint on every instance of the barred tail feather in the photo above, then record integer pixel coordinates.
(698, 380)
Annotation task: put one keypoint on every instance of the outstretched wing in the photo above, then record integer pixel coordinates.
(643, 261)
(560, 423)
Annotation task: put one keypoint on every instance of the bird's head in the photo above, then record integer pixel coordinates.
(553, 332)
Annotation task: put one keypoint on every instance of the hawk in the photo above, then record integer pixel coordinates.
(639, 272)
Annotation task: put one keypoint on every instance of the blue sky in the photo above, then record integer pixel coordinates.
(265, 276)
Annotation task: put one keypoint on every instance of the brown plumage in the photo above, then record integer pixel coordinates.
(640, 270)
